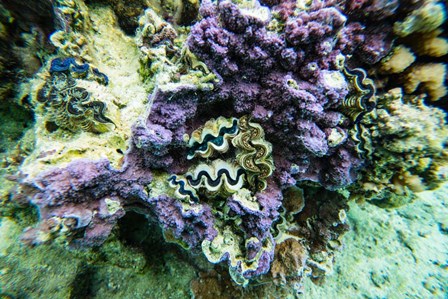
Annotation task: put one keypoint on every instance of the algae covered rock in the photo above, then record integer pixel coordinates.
(166, 62)
(409, 140)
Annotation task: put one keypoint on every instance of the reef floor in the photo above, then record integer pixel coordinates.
(399, 253)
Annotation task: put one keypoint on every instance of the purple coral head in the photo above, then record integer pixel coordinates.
(234, 20)
(192, 224)
(152, 137)
(334, 86)
(310, 27)
(207, 9)
(264, 261)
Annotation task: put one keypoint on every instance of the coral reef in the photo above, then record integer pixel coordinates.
(80, 204)
(270, 71)
(166, 63)
(120, 91)
(204, 188)
(429, 77)
(418, 54)
(237, 131)
(410, 156)
(427, 18)
(397, 61)
(73, 35)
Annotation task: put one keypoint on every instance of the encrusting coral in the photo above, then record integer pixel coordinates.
(72, 38)
(307, 126)
(165, 60)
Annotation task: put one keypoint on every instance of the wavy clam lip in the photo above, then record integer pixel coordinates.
(213, 137)
(69, 103)
(362, 101)
(183, 190)
(249, 168)
(98, 112)
(68, 64)
(220, 174)
(74, 108)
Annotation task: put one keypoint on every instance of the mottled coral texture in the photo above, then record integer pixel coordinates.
(283, 82)
(290, 83)
(83, 201)
(410, 155)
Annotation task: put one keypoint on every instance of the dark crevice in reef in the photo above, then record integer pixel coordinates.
(83, 284)
(127, 12)
(30, 14)
(15, 120)
(183, 13)
(137, 231)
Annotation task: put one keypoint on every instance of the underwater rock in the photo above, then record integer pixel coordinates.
(127, 12)
(290, 262)
(73, 35)
(118, 96)
(37, 13)
(165, 61)
(183, 224)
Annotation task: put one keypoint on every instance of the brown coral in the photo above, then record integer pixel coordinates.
(289, 262)
(430, 44)
(400, 58)
(430, 77)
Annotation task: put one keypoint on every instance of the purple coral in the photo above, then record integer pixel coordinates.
(289, 90)
(256, 223)
(290, 82)
(311, 27)
(191, 225)
(86, 199)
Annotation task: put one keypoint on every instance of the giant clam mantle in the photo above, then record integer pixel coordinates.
(237, 176)
(249, 167)
(70, 106)
(361, 101)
